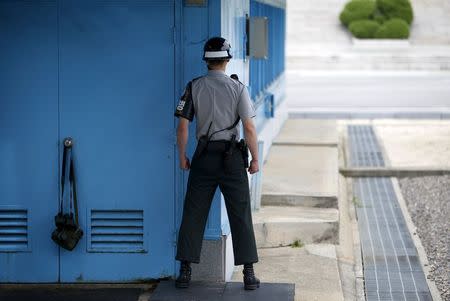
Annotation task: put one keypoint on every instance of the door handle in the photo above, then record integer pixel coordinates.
(68, 142)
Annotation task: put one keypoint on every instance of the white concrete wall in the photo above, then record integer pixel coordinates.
(273, 126)
(233, 29)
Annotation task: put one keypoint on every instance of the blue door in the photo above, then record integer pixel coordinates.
(28, 141)
(116, 91)
(108, 83)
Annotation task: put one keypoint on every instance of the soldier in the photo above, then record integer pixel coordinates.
(218, 102)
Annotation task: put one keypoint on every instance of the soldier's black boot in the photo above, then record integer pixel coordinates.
(184, 278)
(250, 281)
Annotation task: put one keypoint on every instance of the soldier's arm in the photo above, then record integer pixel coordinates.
(251, 139)
(185, 113)
(182, 140)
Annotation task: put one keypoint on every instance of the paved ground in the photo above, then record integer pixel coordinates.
(312, 22)
(418, 143)
(314, 270)
(432, 23)
(422, 91)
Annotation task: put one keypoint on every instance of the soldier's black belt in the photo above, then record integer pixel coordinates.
(219, 145)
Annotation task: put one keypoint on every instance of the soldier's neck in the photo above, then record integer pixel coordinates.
(221, 68)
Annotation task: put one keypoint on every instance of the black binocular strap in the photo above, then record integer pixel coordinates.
(225, 129)
(63, 179)
(72, 183)
(73, 191)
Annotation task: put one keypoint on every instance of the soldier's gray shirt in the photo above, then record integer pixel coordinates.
(218, 100)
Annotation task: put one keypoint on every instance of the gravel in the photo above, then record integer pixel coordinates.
(428, 200)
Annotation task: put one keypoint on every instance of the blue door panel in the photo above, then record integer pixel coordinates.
(28, 140)
(116, 102)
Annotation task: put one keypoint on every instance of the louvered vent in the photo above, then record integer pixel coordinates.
(13, 229)
(116, 231)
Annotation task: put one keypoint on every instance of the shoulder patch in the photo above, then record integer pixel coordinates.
(185, 107)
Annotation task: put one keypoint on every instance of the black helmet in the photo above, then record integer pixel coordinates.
(216, 48)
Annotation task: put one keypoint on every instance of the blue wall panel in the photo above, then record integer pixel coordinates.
(264, 71)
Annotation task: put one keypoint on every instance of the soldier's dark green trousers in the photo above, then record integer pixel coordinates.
(207, 173)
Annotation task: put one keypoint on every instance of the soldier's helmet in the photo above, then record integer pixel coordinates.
(217, 48)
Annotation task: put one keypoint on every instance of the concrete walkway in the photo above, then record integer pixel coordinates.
(406, 141)
(313, 269)
(297, 227)
(419, 93)
(301, 166)
(300, 175)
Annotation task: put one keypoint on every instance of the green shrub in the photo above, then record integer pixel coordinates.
(393, 29)
(357, 10)
(396, 9)
(364, 29)
(379, 17)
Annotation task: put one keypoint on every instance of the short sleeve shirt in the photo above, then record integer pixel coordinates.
(216, 101)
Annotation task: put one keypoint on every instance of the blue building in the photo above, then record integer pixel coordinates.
(109, 75)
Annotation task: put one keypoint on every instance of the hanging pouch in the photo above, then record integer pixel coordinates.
(68, 232)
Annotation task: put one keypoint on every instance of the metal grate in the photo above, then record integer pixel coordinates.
(13, 230)
(364, 147)
(116, 231)
(392, 270)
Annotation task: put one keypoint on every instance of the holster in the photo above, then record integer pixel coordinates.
(243, 147)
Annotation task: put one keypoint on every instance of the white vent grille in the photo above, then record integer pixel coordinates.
(116, 231)
(13, 230)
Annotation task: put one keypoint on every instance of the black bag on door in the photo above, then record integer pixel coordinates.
(68, 232)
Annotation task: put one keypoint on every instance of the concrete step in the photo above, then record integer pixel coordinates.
(369, 55)
(332, 63)
(277, 226)
(304, 200)
(308, 132)
(299, 175)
